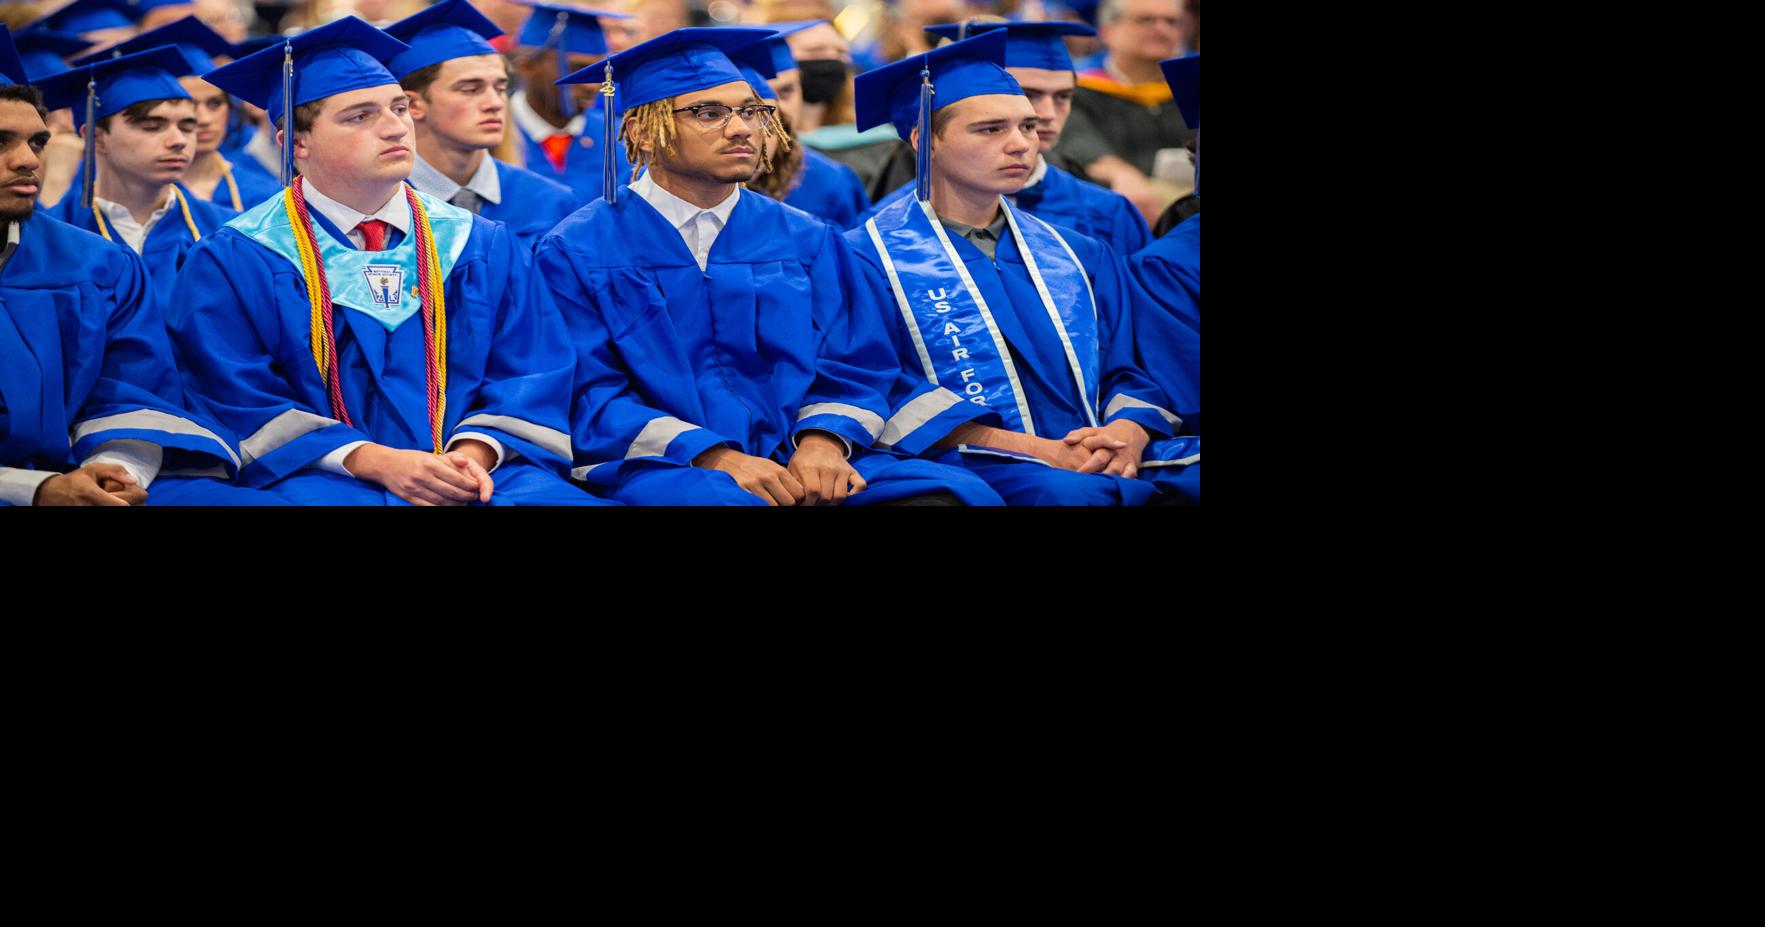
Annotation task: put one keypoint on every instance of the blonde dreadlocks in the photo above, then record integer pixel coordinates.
(778, 180)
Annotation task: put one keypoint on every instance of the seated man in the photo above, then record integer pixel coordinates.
(91, 410)
(140, 139)
(459, 90)
(1002, 316)
(819, 185)
(1035, 56)
(563, 130)
(414, 373)
(724, 356)
(1168, 327)
(211, 176)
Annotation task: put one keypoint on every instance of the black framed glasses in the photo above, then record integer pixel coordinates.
(716, 115)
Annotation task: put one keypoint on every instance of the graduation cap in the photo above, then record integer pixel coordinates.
(98, 85)
(12, 69)
(762, 61)
(93, 15)
(44, 51)
(909, 91)
(565, 30)
(255, 44)
(1027, 45)
(338, 57)
(668, 65)
(1085, 9)
(448, 30)
(197, 42)
(1184, 76)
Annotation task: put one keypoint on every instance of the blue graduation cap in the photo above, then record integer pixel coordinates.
(12, 69)
(909, 91)
(1184, 76)
(668, 65)
(1027, 45)
(44, 51)
(197, 42)
(575, 29)
(98, 85)
(93, 15)
(450, 29)
(255, 44)
(338, 57)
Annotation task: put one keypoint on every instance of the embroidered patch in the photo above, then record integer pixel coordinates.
(385, 284)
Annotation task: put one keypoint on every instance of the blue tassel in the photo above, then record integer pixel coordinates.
(924, 154)
(89, 152)
(287, 113)
(609, 170)
(566, 102)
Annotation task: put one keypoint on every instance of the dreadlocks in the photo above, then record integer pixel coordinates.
(781, 179)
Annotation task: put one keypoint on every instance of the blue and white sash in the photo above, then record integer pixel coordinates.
(954, 332)
(380, 284)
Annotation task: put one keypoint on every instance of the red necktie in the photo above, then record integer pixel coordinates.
(373, 234)
(556, 146)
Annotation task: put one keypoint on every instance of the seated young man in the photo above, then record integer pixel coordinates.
(725, 357)
(141, 139)
(1036, 57)
(459, 90)
(91, 410)
(234, 185)
(1015, 336)
(367, 343)
(563, 129)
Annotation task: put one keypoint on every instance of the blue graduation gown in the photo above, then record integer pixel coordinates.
(926, 413)
(1167, 325)
(84, 360)
(167, 242)
(582, 161)
(255, 184)
(1065, 200)
(772, 338)
(830, 190)
(242, 323)
(531, 204)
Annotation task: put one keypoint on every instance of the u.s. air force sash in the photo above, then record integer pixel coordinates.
(380, 284)
(953, 329)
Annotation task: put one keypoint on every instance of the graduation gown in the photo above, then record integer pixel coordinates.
(531, 204)
(167, 242)
(582, 160)
(242, 322)
(1168, 323)
(830, 190)
(924, 413)
(1067, 201)
(769, 340)
(84, 360)
(255, 184)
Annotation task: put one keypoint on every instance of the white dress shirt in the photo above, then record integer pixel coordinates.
(698, 227)
(122, 222)
(396, 213)
(19, 486)
(534, 126)
(483, 181)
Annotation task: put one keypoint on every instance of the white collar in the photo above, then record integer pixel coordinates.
(485, 181)
(117, 213)
(677, 211)
(1036, 175)
(396, 212)
(13, 232)
(534, 126)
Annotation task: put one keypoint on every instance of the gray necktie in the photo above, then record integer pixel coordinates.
(467, 200)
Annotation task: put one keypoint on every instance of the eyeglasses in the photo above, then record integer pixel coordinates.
(716, 115)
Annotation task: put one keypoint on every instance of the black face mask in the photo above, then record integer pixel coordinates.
(822, 78)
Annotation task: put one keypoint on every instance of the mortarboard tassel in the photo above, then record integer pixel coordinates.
(287, 113)
(566, 103)
(609, 181)
(89, 151)
(925, 134)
